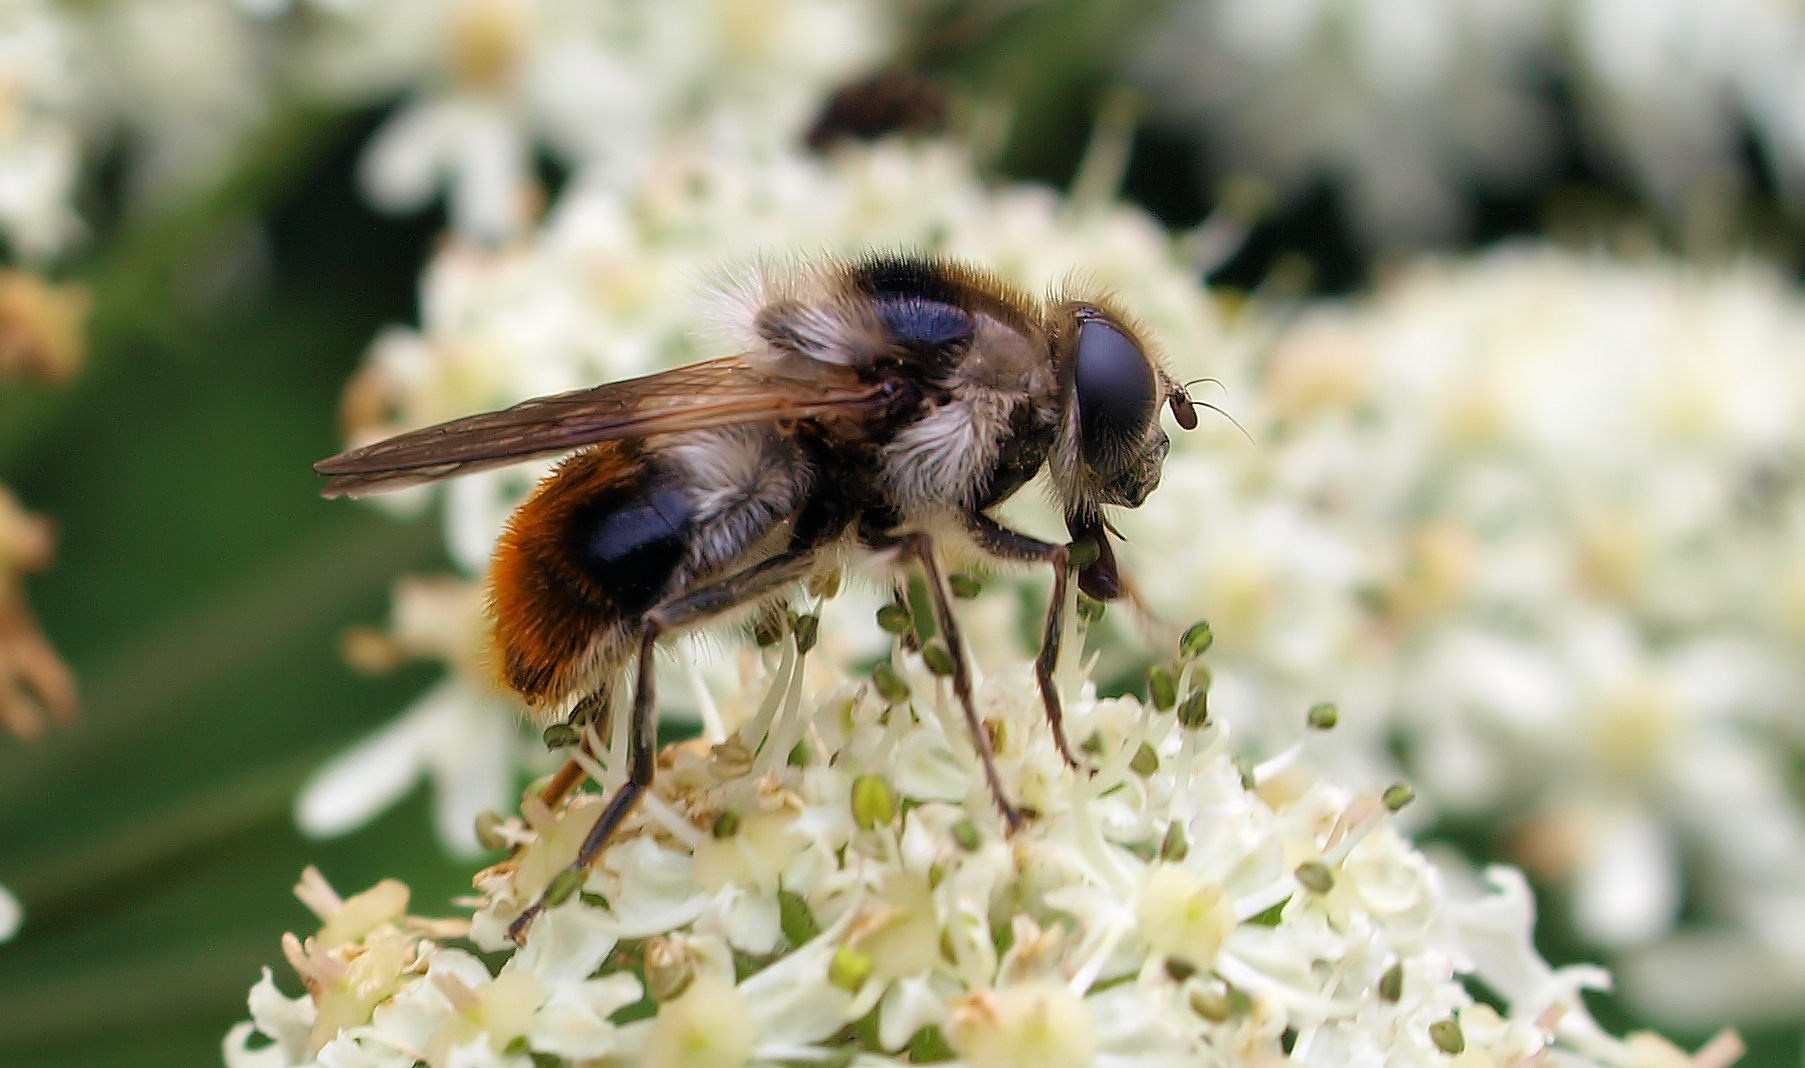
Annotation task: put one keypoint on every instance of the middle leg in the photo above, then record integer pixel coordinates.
(1006, 544)
(920, 547)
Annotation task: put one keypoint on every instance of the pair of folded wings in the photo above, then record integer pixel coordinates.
(717, 393)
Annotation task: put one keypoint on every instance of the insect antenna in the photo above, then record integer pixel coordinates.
(1224, 414)
(1183, 396)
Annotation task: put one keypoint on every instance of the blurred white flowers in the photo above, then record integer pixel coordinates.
(1668, 89)
(11, 915)
(1167, 909)
(461, 733)
(1399, 106)
(602, 87)
(172, 88)
(177, 87)
(39, 142)
(1404, 109)
(1533, 523)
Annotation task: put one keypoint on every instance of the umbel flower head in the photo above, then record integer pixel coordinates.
(827, 881)
(1532, 520)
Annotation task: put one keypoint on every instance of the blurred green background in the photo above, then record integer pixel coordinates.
(199, 591)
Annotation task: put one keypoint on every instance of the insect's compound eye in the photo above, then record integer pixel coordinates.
(1117, 394)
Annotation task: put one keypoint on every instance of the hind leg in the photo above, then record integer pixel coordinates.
(677, 612)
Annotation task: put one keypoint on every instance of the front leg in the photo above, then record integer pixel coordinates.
(921, 547)
(1007, 544)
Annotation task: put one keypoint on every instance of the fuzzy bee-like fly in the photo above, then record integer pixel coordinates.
(876, 409)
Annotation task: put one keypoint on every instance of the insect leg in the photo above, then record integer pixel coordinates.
(568, 778)
(730, 592)
(921, 547)
(594, 710)
(1000, 541)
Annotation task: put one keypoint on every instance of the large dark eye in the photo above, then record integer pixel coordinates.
(1116, 391)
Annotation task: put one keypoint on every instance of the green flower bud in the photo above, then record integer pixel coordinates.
(849, 968)
(890, 685)
(1194, 712)
(1315, 876)
(1197, 640)
(794, 917)
(1161, 689)
(1212, 1004)
(488, 831)
(1176, 844)
(1447, 1037)
(1391, 984)
(873, 803)
(806, 628)
(894, 618)
(938, 658)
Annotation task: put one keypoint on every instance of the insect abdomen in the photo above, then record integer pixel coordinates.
(630, 542)
(596, 544)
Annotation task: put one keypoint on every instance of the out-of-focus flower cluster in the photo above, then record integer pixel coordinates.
(1532, 523)
(829, 878)
(1405, 108)
(170, 88)
(176, 89)
(603, 87)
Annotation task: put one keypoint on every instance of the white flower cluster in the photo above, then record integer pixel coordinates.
(177, 87)
(831, 881)
(1398, 105)
(1402, 104)
(461, 733)
(173, 87)
(38, 137)
(1535, 519)
(604, 87)
(11, 915)
(1671, 87)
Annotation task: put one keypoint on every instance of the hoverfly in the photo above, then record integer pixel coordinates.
(876, 408)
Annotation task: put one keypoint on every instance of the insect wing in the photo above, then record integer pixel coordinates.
(728, 392)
